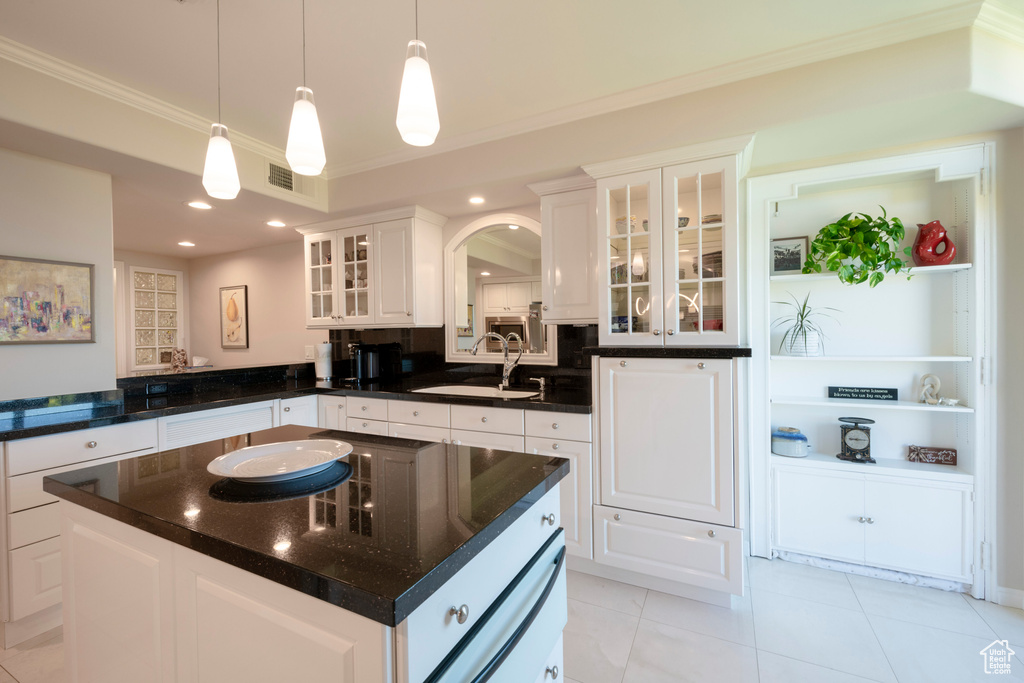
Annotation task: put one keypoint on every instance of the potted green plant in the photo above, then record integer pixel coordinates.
(859, 248)
(804, 336)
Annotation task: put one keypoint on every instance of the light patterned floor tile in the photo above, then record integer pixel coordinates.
(664, 654)
(736, 624)
(1007, 622)
(802, 581)
(920, 605)
(621, 597)
(773, 668)
(597, 642)
(821, 634)
(41, 663)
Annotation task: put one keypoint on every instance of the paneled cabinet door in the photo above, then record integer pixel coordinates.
(818, 513)
(321, 277)
(666, 437)
(355, 275)
(495, 298)
(393, 266)
(576, 491)
(568, 244)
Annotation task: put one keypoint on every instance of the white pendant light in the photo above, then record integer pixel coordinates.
(220, 174)
(417, 107)
(638, 264)
(305, 148)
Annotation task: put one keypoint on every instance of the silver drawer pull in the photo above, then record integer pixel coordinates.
(550, 519)
(551, 670)
(617, 517)
(91, 444)
(460, 613)
(554, 425)
(366, 424)
(623, 363)
(670, 331)
(363, 408)
(287, 409)
(415, 413)
(870, 520)
(444, 440)
(711, 533)
(483, 419)
(556, 668)
(862, 519)
(701, 366)
(408, 313)
(554, 446)
(657, 333)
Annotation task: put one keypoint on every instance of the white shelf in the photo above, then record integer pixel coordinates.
(915, 270)
(884, 466)
(866, 404)
(880, 359)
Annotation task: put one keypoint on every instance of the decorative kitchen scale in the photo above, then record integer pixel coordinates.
(855, 444)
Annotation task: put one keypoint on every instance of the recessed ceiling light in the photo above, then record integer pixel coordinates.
(476, 200)
(275, 224)
(199, 205)
(484, 272)
(513, 227)
(186, 244)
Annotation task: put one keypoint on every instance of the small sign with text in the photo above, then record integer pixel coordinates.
(867, 393)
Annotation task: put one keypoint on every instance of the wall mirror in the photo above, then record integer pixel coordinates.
(492, 284)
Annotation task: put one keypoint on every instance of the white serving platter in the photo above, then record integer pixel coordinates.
(279, 461)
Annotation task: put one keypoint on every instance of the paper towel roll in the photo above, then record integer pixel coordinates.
(322, 360)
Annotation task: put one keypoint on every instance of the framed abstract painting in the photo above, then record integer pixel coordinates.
(45, 302)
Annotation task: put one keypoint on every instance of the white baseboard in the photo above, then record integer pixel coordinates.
(1009, 597)
(17, 632)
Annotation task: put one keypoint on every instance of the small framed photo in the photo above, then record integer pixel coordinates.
(234, 317)
(788, 255)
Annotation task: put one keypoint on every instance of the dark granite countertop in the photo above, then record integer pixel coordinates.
(38, 417)
(669, 352)
(378, 549)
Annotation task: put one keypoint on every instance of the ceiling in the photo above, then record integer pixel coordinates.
(499, 69)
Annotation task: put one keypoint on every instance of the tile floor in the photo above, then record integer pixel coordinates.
(796, 624)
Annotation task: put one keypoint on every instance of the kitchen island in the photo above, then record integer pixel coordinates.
(422, 565)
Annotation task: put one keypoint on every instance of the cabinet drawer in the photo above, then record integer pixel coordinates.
(26, 490)
(552, 667)
(219, 423)
(43, 452)
(419, 413)
(424, 433)
(33, 525)
(367, 408)
(695, 553)
(356, 424)
(434, 631)
(502, 442)
(35, 577)
(499, 420)
(572, 426)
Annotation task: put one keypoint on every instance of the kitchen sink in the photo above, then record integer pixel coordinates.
(473, 390)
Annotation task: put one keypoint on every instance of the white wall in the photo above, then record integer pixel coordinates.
(277, 327)
(61, 213)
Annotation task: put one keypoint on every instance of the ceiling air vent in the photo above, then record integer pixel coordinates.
(280, 176)
(282, 179)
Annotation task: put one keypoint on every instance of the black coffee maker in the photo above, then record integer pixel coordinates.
(365, 360)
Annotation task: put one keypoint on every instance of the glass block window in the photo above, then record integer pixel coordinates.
(156, 317)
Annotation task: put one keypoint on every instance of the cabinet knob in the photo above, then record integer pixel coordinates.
(670, 331)
(91, 444)
(862, 519)
(409, 313)
(617, 517)
(365, 424)
(550, 519)
(701, 366)
(623, 363)
(711, 533)
(554, 446)
(460, 613)
(870, 520)
(287, 409)
(483, 419)
(544, 308)
(363, 409)
(554, 425)
(444, 440)
(415, 413)
(657, 333)
(551, 671)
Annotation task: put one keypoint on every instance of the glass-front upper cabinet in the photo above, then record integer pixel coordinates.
(321, 251)
(668, 240)
(357, 245)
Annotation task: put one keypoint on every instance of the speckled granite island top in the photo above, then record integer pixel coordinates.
(412, 514)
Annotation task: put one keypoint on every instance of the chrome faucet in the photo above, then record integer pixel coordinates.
(508, 366)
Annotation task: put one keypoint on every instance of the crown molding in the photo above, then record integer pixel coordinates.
(739, 144)
(67, 72)
(579, 181)
(1003, 19)
(412, 211)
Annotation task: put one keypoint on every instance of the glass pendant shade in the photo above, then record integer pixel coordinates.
(305, 149)
(417, 109)
(638, 264)
(220, 175)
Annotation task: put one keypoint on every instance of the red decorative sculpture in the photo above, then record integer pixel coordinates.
(929, 237)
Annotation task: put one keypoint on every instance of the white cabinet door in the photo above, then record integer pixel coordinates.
(393, 272)
(568, 244)
(322, 257)
(576, 491)
(35, 577)
(332, 412)
(301, 410)
(355, 259)
(520, 295)
(919, 527)
(818, 513)
(666, 437)
(175, 431)
(495, 298)
(704, 555)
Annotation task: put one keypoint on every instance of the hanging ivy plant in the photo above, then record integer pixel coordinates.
(859, 248)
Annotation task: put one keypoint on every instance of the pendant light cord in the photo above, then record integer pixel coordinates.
(303, 43)
(417, 15)
(218, 62)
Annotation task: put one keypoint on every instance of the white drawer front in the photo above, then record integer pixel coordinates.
(501, 442)
(368, 408)
(26, 490)
(35, 577)
(43, 452)
(332, 412)
(500, 420)
(219, 423)
(577, 491)
(418, 413)
(572, 426)
(552, 665)
(432, 631)
(695, 553)
(33, 525)
(404, 431)
(356, 424)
